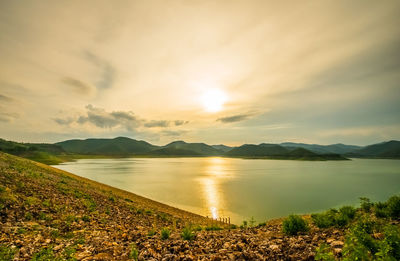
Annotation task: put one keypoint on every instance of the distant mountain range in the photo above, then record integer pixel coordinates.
(122, 146)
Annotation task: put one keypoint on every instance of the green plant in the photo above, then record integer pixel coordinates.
(294, 224)
(69, 253)
(366, 204)
(348, 211)
(323, 220)
(6, 253)
(134, 252)
(86, 218)
(390, 246)
(213, 227)
(28, 216)
(187, 233)
(252, 222)
(165, 233)
(323, 253)
(393, 206)
(46, 254)
(151, 232)
(21, 230)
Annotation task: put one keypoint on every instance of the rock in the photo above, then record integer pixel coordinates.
(274, 247)
(330, 240)
(337, 244)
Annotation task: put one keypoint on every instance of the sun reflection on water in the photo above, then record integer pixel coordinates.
(215, 172)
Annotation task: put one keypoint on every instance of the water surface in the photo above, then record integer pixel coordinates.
(244, 188)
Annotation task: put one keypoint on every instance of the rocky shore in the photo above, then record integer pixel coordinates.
(48, 214)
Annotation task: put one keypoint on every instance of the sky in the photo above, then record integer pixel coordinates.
(230, 72)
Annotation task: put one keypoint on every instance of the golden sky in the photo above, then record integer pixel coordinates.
(227, 72)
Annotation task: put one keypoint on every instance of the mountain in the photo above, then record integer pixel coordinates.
(261, 150)
(279, 152)
(173, 152)
(42, 152)
(323, 149)
(199, 148)
(222, 147)
(116, 146)
(389, 149)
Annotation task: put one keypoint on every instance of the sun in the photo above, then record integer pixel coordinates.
(213, 100)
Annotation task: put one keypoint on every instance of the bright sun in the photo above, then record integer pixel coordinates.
(213, 100)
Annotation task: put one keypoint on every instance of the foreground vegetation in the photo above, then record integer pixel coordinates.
(48, 214)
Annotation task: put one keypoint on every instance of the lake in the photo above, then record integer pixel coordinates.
(245, 188)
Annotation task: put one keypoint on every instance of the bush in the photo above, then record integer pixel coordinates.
(188, 234)
(324, 253)
(213, 227)
(393, 207)
(348, 211)
(294, 224)
(366, 204)
(6, 253)
(165, 233)
(134, 252)
(45, 254)
(323, 220)
(86, 218)
(151, 232)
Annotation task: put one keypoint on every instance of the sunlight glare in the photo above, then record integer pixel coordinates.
(213, 100)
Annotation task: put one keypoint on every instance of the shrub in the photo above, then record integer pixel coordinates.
(390, 247)
(366, 204)
(134, 252)
(45, 254)
(165, 233)
(213, 227)
(188, 234)
(348, 211)
(151, 232)
(324, 253)
(294, 224)
(323, 220)
(6, 253)
(393, 206)
(86, 218)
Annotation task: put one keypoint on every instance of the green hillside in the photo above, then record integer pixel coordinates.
(199, 148)
(116, 146)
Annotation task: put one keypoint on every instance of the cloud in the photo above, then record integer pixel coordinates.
(180, 122)
(173, 133)
(154, 123)
(103, 119)
(66, 121)
(107, 70)
(8, 117)
(78, 85)
(234, 118)
(4, 98)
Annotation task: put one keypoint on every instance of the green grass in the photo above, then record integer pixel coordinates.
(188, 234)
(294, 224)
(134, 253)
(165, 233)
(7, 253)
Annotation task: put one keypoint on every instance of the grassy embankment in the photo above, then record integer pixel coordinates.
(48, 214)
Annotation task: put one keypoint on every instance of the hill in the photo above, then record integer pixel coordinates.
(199, 148)
(173, 152)
(278, 152)
(49, 214)
(389, 149)
(222, 147)
(116, 146)
(323, 149)
(45, 153)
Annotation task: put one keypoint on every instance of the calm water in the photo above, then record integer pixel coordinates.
(242, 188)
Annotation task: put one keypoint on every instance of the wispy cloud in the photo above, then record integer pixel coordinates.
(107, 71)
(78, 85)
(4, 98)
(234, 118)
